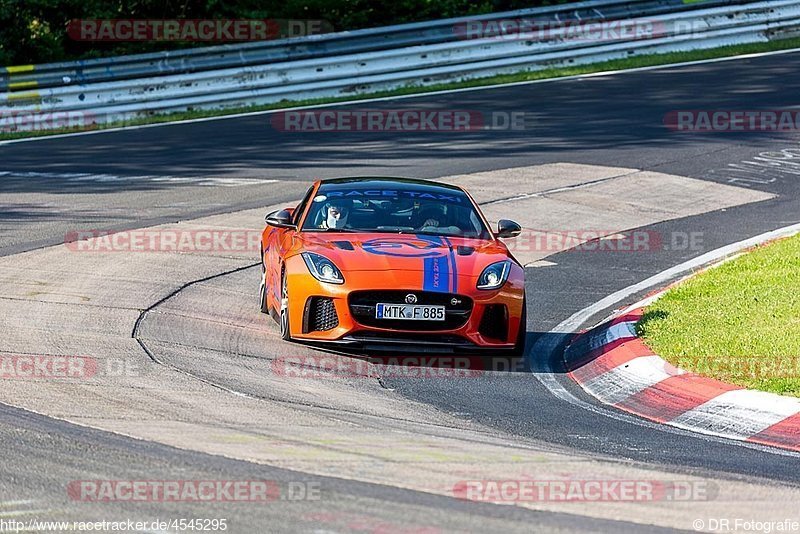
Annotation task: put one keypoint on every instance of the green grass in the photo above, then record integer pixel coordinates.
(738, 322)
(620, 64)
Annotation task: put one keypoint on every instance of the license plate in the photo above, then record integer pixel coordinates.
(409, 312)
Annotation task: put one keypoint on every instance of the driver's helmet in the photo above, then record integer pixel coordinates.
(337, 212)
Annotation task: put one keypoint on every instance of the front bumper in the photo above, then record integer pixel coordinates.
(354, 329)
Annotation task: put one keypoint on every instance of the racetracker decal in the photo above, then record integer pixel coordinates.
(436, 274)
(438, 270)
(392, 193)
(453, 263)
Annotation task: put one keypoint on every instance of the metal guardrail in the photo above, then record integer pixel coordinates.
(349, 63)
(333, 44)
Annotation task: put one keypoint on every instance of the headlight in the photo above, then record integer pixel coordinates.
(322, 268)
(494, 275)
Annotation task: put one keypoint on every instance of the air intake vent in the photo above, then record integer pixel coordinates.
(344, 245)
(319, 315)
(494, 323)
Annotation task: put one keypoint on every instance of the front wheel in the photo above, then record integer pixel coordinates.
(262, 290)
(286, 334)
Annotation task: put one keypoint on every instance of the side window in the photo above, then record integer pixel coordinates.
(298, 212)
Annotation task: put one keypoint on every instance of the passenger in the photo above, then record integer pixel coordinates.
(430, 218)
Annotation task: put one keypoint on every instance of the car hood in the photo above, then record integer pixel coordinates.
(408, 252)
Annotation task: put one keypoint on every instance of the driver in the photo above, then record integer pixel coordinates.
(337, 212)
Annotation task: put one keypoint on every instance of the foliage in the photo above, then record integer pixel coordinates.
(35, 31)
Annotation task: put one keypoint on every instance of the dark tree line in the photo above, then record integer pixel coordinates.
(35, 31)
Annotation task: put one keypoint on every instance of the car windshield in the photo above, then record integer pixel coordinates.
(393, 209)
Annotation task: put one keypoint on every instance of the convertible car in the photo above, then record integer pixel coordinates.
(381, 264)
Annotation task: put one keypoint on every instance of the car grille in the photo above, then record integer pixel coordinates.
(494, 323)
(363, 304)
(319, 315)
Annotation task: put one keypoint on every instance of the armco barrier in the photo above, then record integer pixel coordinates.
(350, 63)
(334, 44)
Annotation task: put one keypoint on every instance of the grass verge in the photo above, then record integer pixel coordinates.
(621, 64)
(738, 322)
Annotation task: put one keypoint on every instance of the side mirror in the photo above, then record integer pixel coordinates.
(280, 219)
(508, 229)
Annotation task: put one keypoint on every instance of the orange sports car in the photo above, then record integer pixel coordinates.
(392, 263)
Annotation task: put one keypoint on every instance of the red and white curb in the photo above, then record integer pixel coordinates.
(613, 365)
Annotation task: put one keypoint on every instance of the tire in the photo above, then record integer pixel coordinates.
(286, 333)
(519, 345)
(263, 291)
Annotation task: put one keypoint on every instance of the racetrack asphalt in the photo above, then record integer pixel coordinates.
(614, 120)
(56, 454)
